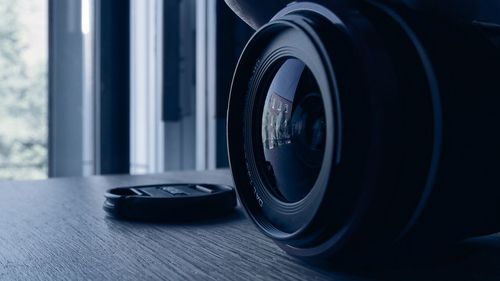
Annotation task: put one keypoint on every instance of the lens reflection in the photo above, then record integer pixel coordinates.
(293, 131)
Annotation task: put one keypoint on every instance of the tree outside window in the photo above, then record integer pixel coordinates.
(23, 89)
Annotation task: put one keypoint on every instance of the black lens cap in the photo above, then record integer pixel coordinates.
(170, 202)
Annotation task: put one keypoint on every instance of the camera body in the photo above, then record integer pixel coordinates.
(361, 127)
(258, 12)
(459, 10)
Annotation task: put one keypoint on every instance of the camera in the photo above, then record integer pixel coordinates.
(364, 127)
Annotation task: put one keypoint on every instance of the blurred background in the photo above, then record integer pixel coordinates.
(113, 87)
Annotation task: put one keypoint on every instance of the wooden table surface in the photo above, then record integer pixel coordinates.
(56, 229)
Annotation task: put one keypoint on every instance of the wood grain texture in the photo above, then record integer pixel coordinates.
(56, 230)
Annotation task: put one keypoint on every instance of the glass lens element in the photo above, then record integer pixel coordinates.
(293, 131)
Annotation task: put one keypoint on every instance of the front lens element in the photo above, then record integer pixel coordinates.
(293, 131)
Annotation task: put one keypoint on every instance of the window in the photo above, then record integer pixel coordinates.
(23, 89)
(114, 86)
(181, 73)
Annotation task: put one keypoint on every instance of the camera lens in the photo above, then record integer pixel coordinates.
(356, 130)
(293, 131)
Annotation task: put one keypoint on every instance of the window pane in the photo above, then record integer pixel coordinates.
(23, 89)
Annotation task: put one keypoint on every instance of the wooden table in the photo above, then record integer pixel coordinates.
(56, 230)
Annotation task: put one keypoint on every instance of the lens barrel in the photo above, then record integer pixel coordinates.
(359, 127)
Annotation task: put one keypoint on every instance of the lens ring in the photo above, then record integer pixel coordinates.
(289, 218)
(328, 208)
